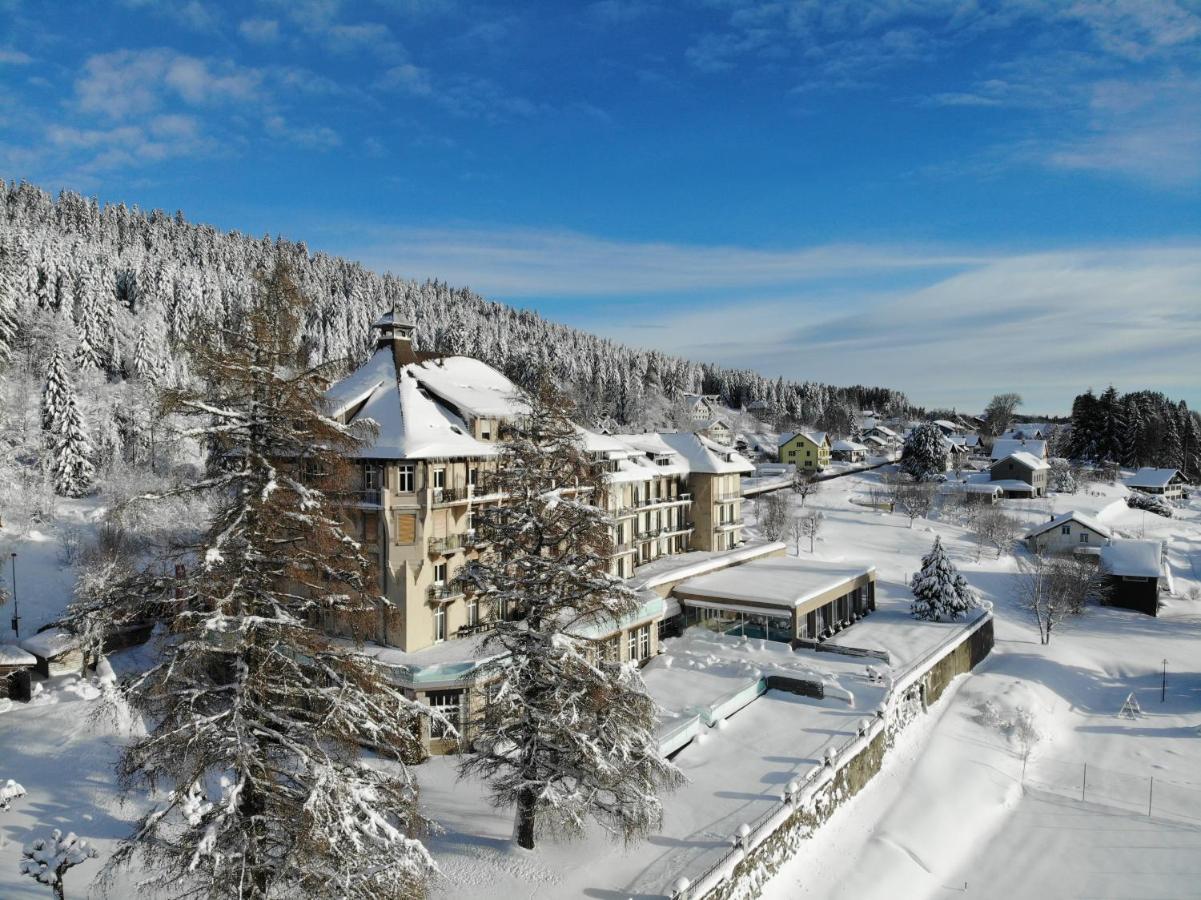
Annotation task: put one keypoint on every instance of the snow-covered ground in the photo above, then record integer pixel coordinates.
(948, 808)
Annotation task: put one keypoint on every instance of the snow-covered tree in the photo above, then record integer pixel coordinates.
(776, 518)
(940, 593)
(805, 485)
(568, 733)
(57, 393)
(48, 859)
(808, 525)
(257, 718)
(71, 459)
(925, 451)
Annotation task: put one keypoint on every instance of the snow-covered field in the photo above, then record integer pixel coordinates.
(948, 808)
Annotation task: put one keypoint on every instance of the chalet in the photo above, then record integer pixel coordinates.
(1071, 532)
(1167, 483)
(758, 408)
(848, 451)
(55, 652)
(948, 427)
(716, 430)
(1003, 447)
(877, 444)
(1031, 431)
(701, 407)
(1021, 475)
(885, 434)
(1133, 569)
(807, 450)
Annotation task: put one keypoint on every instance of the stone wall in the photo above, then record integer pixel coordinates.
(851, 774)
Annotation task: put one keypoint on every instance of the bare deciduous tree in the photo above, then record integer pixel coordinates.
(777, 516)
(1054, 588)
(996, 527)
(804, 486)
(916, 499)
(811, 524)
(999, 412)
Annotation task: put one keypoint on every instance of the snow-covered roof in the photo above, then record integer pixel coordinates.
(710, 423)
(705, 456)
(1029, 460)
(610, 446)
(12, 655)
(51, 643)
(782, 581)
(471, 386)
(847, 447)
(1013, 485)
(412, 425)
(944, 423)
(1006, 447)
(878, 441)
(817, 437)
(1072, 516)
(973, 487)
(885, 430)
(1135, 558)
(675, 567)
(1149, 477)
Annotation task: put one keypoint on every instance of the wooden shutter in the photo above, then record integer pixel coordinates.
(406, 528)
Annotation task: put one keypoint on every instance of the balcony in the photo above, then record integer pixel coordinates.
(447, 544)
(449, 496)
(729, 526)
(440, 593)
(727, 496)
(478, 628)
(647, 502)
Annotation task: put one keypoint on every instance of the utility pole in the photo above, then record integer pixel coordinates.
(1163, 690)
(16, 609)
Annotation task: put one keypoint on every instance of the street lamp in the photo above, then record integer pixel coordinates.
(16, 609)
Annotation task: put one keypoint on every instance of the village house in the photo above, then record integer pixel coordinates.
(848, 451)
(884, 434)
(1071, 532)
(1021, 475)
(1133, 569)
(807, 450)
(1167, 483)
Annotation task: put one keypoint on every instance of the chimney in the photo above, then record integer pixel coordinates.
(397, 333)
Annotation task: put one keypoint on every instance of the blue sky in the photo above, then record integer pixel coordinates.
(951, 197)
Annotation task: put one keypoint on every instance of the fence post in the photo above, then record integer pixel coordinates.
(1084, 783)
(1150, 793)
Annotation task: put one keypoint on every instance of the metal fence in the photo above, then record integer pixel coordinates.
(1149, 795)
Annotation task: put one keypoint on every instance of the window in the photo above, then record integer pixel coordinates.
(439, 479)
(405, 478)
(644, 642)
(473, 476)
(473, 612)
(632, 644)
(440, 573)
(449, 704)
(406, 528)
(1065, 529)
(439, 624)
(1084, 537)
(485, 431)
(371, 477)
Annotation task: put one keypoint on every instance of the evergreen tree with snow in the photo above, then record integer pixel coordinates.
(71, 462)
(56, 393)
(568, 733)
(89, 333)
(257, 717)
(925, 451)
(147, 364)
(940, 593)
(9, 305)
(47, 860)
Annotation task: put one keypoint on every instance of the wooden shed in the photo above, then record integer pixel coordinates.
(56, 650)
(13, 662)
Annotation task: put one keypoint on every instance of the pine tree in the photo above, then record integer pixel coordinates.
(568, 734)
(55, 394)
(8, 305)
(147, 364)
(90, 338)
(257, 718)
(940, 593)
(71, 463)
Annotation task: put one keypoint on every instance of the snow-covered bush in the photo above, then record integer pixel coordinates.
(940, 593)
(1150, 503)
(48, 859)
(10, 791)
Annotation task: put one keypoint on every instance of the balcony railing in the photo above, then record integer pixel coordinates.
(448, 495)
(644, 502)
(726, 496)
(365, 497)
(447, 543)
(725, 526)
(477, 628)
(440, 592)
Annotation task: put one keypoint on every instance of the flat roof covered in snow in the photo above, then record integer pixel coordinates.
(782, 581)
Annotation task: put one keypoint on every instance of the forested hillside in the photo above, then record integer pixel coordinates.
(128, 287)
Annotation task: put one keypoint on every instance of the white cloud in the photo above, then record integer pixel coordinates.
(12, 57)
(945, 324)
(318, 137)
(259, 31)
(127, 83)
